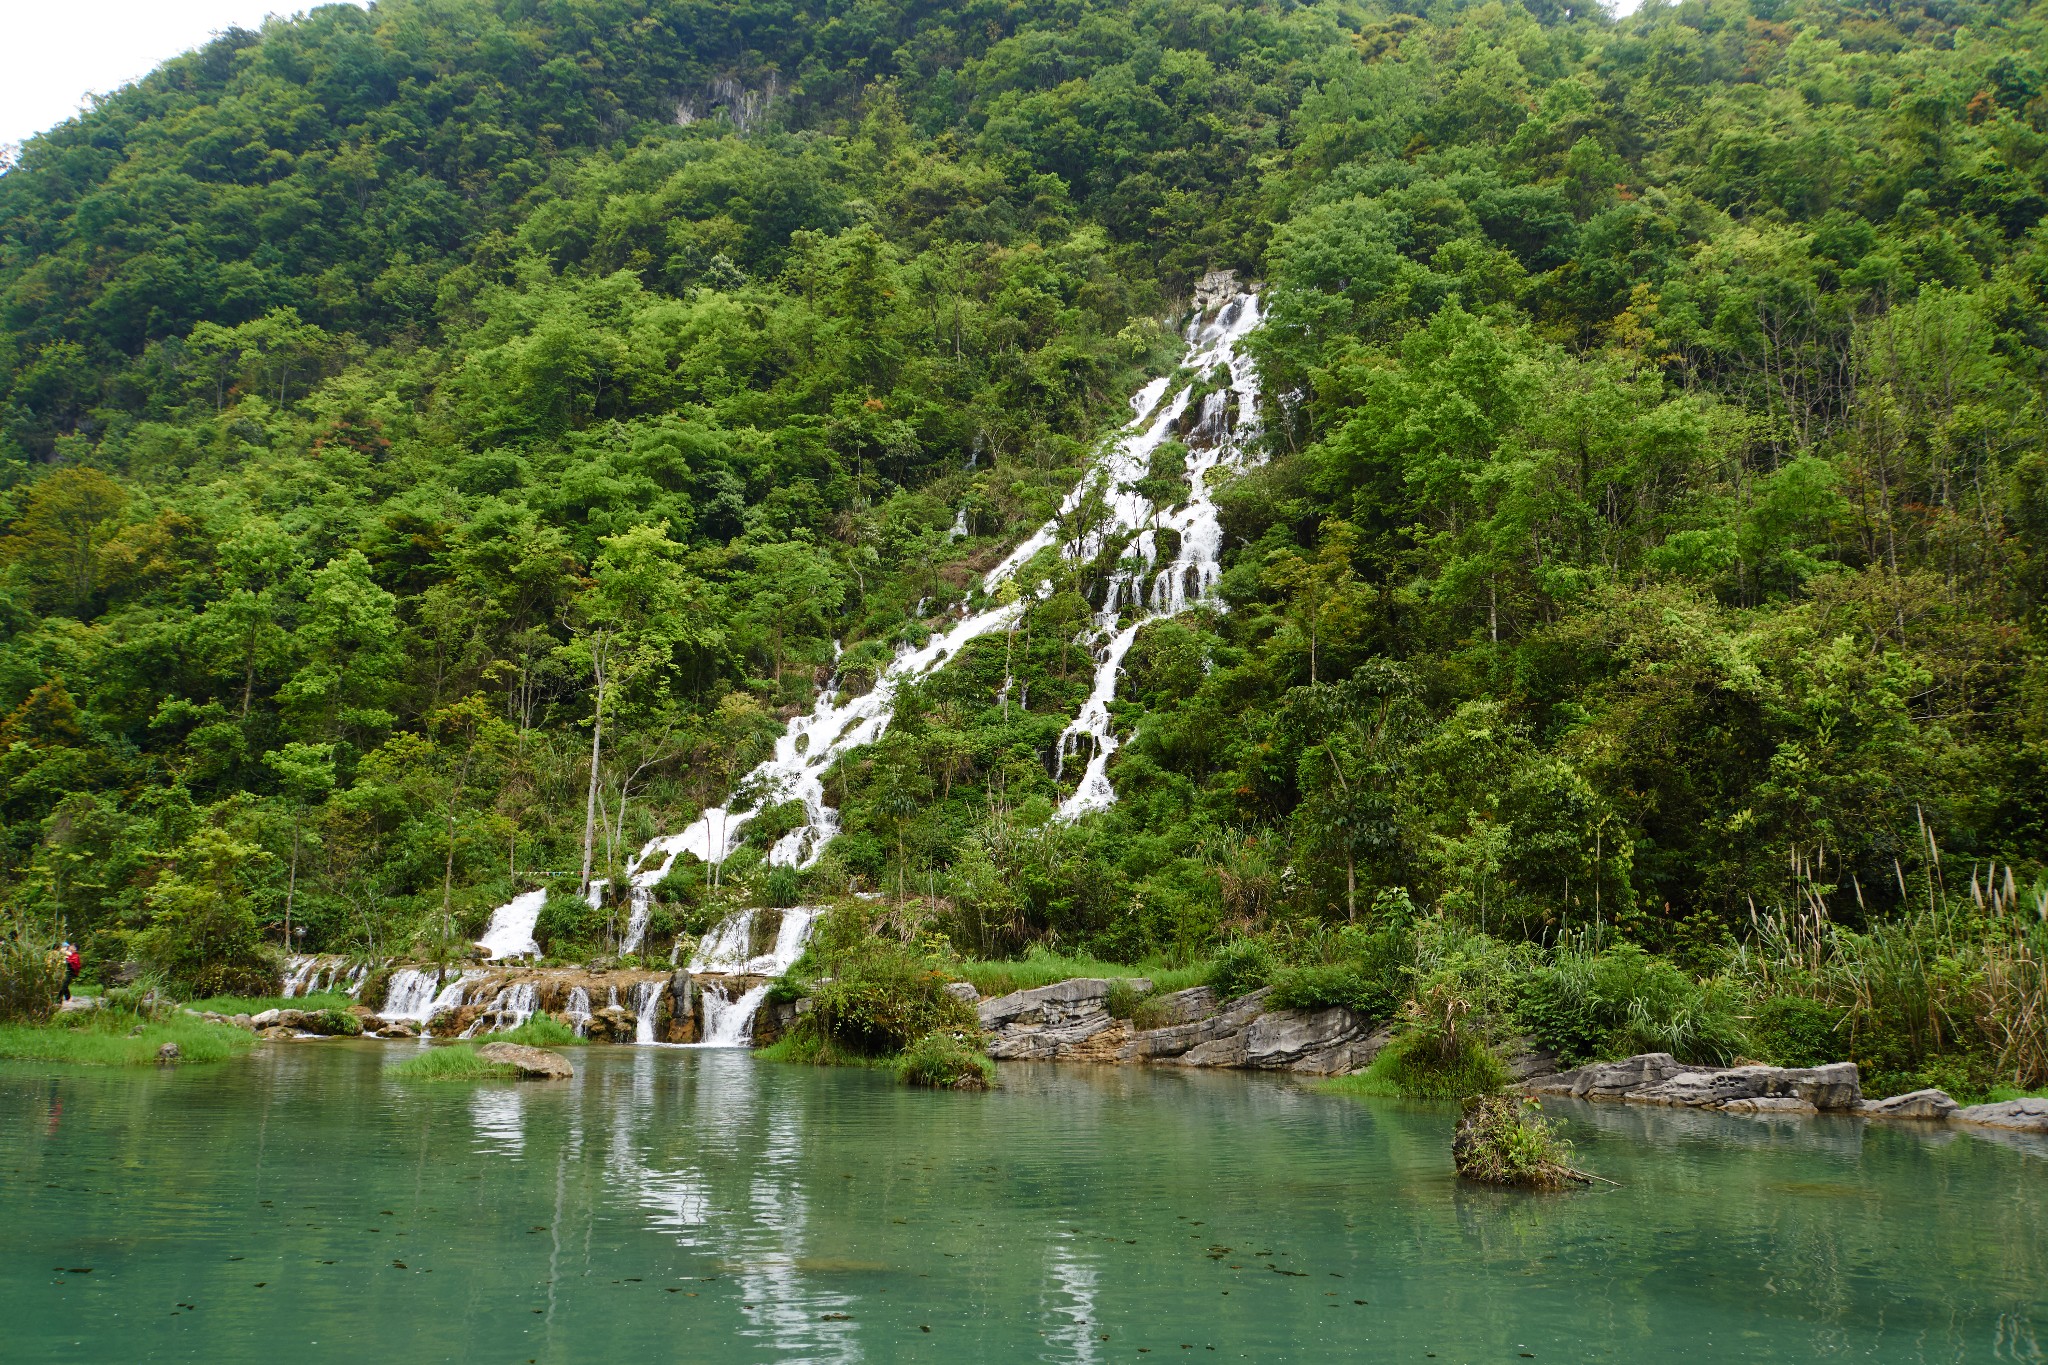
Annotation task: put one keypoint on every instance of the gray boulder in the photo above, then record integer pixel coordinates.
(963, 991)
(1176, 1042)
(2021, 1116)
(266, 1019)
(1041, 1023)
(1609, 1080)
(168, 1053)
(1919, 1104)
(535, 1063)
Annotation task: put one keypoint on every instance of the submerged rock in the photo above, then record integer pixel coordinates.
(533, 1062)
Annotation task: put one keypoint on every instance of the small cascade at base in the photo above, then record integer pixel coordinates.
(578, 1010)
(646, 1001)
(729, 1012)
(511, 1007)
(418, 994)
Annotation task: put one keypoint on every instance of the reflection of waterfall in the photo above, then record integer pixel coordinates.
(1070, 1303)
(1218, 439)
(500, 1126)
(835, 724)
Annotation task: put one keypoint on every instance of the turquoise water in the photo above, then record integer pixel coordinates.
(674, 1205)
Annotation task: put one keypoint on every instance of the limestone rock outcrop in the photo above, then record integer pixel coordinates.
(1660, 1078)
(1070, 1021)
(1919, 1104)
(534, 1063)
(2022, 1116)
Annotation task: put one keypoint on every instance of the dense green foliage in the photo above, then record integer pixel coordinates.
(1648, 546)
(31, 979)
(540, 1030)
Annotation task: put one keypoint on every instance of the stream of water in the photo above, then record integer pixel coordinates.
(680, 1205)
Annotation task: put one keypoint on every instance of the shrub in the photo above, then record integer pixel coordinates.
(1425, 1064)
(882, 996)
(1502, 1140)
(1791, 1030)
(567, 924)
(1370, 976)
(1124, 999)
(783, 887)
(945, 1061)
(1242, 967)
(339, 1024)
(1620, 1002)
(455, 1062)
(31, 979)
(202, 935)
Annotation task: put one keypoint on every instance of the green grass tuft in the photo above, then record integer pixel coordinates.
(108, 1037)
(453, 1062)
(541, 1030)
(944, 1061)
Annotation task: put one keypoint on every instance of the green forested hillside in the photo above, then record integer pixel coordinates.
(1653, 531)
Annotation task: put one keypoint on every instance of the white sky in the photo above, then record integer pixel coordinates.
(54, 52)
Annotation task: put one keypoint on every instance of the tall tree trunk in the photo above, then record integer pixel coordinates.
(596, 751)
(1350, 886)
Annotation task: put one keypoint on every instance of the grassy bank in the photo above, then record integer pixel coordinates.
(112, 1037)
(255, 1004)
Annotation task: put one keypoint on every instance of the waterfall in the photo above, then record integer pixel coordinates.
(835, 724)
(728, 1018)
(298, 971)
(646, 1000)
(510, 932)
(728, 948)
(1218, 439)
(578, 1010)
(412, 994)
(512, 1006)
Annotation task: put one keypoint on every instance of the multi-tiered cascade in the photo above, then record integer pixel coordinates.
(1215, 428)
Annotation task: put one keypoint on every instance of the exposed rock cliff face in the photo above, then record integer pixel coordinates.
(1070, 1021)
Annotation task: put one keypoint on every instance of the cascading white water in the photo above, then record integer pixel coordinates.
(413, 994)
(1219, 439)
(835, 724)
(729, 1017)
(578, 1010)
(512, 1006)
(646, 1001)
(728, 948)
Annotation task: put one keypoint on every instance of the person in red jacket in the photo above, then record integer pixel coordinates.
(72, 963)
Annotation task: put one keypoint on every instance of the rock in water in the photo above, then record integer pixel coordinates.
(535, 1063)
(168, 1053)
(1919, 1104)
(2024, 1115)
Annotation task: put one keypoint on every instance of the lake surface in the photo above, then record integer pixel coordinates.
(676, 1205)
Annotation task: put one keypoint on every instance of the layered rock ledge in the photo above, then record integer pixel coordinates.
(1070, 1021)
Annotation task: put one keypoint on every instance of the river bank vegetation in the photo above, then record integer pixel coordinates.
(440, 445)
